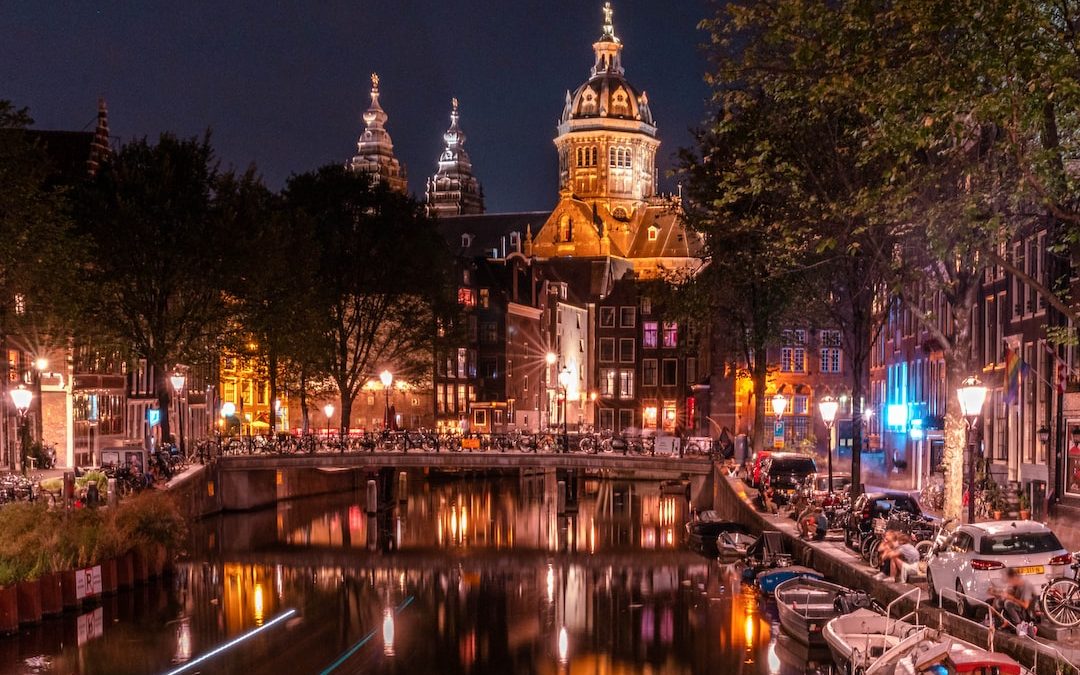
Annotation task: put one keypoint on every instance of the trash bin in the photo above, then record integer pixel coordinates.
(1037, 499)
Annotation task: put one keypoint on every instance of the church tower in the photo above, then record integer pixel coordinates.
(607, 139)
(375, 150)
(454, 190)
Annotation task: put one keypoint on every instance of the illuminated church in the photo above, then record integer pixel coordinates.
(566, 282)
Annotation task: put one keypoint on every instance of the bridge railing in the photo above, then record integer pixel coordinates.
(428, 441)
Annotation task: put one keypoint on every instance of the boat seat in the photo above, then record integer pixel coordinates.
(816, 610)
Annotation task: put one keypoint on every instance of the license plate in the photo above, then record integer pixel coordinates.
(1034, 569)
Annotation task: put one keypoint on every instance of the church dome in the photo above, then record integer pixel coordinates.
(607, 93)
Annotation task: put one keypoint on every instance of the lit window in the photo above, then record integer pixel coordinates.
(649, 334)
(626, 384)
(654, 233)
(671, 334)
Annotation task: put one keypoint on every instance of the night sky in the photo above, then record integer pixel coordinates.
(284, 85)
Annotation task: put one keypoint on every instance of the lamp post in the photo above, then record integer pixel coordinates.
(972, 395)
(828, 407)
(779, 405)
(21, 397)
(178, 381)
(328, 410)
(387, 378)
(550, 359)
(41, 364)
(564, 383)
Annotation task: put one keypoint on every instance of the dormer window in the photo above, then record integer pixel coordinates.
(466, 241)
(654, 233)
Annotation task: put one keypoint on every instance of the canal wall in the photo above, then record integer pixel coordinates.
(214, 488)
(732, 501)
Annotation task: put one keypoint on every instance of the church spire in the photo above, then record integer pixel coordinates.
(374, 149)
(608, 48)
(99, 147)
(454, 190)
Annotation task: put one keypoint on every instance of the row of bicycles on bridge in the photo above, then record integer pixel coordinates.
(424, 440)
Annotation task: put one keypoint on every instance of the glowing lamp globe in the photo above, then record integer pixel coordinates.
(828, 407)
(779, 405)
(21, 397)
(387, 378)
(972, 395)
(329, 410)
(178, 381)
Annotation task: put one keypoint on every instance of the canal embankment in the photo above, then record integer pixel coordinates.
(732, 499)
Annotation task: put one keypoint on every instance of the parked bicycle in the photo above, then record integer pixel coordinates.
(1060, 599)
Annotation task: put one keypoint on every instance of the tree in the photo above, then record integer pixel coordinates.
(159, 246)
(382, 277)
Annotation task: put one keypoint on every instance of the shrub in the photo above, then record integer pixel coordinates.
(98, 477)
(149, 519)
(24, 548)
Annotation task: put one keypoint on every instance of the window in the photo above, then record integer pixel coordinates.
(670, 374)
(626, 420)
(484, 297)
(626, 317)
(646, 305)
(626, 384)
(648, 373)
(671, 334)
(798, 404)
(654, 233)
(488, 367)
(461, 362)
(607, 382)
(793, 360)
(607, 419)
(607, 350)
(626, 350)
(20, 304)
(525, 384)
(830, 360)
(649, 334)
(607, 317)
(489, 333)
(371, 399)
(466, 298)
(479, 418)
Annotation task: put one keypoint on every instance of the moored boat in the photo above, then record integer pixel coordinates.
(806, 603)
(860, 638)
(927, 651)
(769, 564)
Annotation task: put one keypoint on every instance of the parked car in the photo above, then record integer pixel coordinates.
(818, 488)
(860, 523)
(975, 558)
(787, 474)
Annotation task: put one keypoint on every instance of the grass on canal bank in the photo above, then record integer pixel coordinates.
(36, 540)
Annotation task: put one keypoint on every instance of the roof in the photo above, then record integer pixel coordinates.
(587, 278)
(486, 231)
(672, 239)
(1009, 526)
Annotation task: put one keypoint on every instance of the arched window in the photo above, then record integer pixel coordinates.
(626, 157)
(613, 160)
(593, 162)
(580, 161)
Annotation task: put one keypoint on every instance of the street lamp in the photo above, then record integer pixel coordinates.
(1044, 435)
(564, 382)
(178, 381)
(828, 407)
(972, 395)
(550, 359)
(387, 379)
(328, 410)
(779, 405)
(21, 397)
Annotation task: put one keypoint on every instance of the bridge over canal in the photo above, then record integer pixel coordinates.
(243, 482)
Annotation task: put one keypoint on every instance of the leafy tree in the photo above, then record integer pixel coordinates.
(159, 243)
(381, 280)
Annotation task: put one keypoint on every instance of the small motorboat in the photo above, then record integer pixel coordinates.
(860, 638)
(703, 534)
(931, 652)
(769, 564)
(732, 546)
(805, 604)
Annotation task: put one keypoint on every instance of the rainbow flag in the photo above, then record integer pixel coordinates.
(1014, 369)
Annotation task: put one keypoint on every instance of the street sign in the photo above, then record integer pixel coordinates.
(778, 434)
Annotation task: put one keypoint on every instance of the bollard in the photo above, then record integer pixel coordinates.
(403, 482)
(113, 498)
(69, 486)
(561, 502)
(372, 497)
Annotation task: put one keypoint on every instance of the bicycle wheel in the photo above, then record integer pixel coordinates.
(1061, 602)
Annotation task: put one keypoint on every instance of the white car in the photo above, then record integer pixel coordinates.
(975, 559)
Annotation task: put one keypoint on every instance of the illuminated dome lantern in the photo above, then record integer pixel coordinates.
(607, 139)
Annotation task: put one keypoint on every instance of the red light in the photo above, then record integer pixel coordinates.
(1063, 559)
(984, 565)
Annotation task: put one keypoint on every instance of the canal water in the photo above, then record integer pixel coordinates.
(511, 573)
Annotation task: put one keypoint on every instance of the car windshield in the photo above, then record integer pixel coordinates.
(793, 465)
(1019, 542)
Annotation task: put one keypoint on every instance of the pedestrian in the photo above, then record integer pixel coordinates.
(1016, 600)
(903, 559)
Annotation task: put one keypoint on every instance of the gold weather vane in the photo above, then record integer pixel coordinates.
(374, 80)
(453, 102)
(608, 11)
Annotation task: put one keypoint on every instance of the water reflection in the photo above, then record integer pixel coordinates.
(479, 575)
